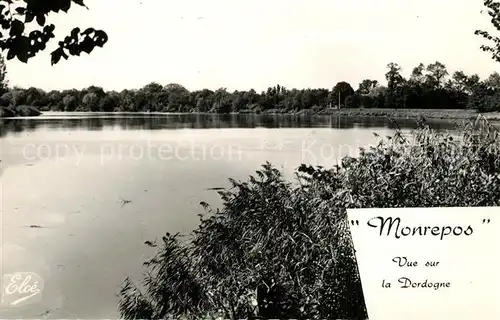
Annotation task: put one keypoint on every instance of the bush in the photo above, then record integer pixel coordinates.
(19, 111)
(278, 249)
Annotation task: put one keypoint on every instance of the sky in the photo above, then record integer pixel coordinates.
(243, 44)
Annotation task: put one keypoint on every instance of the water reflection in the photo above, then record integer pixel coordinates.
(101, 121)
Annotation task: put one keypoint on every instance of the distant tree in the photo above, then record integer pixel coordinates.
(394, 83)
(70, 103)
(175, 87)
(54, 98)
(251, 96)
(222, 101)
(417, 74)
(153, 90)
(484, 99)
(341, 91)
(380, 90)
(6, 99)
(393, 76)
(97, 90)
(18, 97)
(90, 101)
(493, 81)
(127, 100)
(36, 97)
(459, 80)
(239, 102)
(472, 82)
(464, 83)
(16, 18)
(308, 98)
(494, 12)
(110, 102)
(353, 101)
(153, 87)
(436, 74)
(203, 100)
(178, 96)
(366, 85)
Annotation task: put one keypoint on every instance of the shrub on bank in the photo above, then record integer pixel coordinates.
(18, 111)
(279, 249)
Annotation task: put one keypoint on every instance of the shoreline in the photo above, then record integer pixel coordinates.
(19, 111)
(440, 114)
(450, 114)
(443, 114)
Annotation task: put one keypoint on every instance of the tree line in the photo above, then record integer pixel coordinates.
(427, 87)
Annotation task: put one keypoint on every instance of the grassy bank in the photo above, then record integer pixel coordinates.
(19, 111)
(444, 114)
(465, 114)
(452, 114)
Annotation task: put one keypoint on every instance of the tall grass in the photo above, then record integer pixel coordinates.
(278, 249)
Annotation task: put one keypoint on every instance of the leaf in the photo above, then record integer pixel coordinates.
(29, 17)
(75, 32)
(80, 2)
(88, 31)
(56, 56)
(5, 24)
(22, 55)
(100, 38)
(16, 28)
(49, 28)
(65, 5)
(21, 10)
(87, 45)
(40, 19)
(11, 54)
(64, 55)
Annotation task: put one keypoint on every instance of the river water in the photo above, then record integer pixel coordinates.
(68, 174)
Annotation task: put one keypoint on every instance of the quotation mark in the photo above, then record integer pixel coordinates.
(486, 221)
(355, 222)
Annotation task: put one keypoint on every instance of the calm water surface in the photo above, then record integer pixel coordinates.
(67, 173)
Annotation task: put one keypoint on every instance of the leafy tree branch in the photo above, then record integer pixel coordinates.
(23, 45)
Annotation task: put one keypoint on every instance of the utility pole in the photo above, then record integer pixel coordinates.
(339, 99)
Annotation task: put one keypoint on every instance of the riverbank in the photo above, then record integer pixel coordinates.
(399, 113)
(450, 114)
(19, 111)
